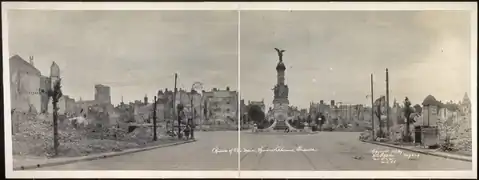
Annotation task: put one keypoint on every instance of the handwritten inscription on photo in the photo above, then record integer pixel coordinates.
(388, 156)
(218, 150)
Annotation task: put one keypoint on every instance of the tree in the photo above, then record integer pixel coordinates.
(180, 113)
(407, 112)
(378, 112)
(358, 112)
(205, 110)
(256, 114)
(155, 101)
(55, 94)
(418, 108)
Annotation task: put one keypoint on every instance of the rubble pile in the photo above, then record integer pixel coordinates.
(35, 138)
(461, 135)
(365, 136)
(140, 135)
(32, 135)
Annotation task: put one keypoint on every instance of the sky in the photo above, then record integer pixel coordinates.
(136, 53)
(331, 54)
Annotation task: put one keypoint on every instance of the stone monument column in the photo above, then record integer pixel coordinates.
(280, 101)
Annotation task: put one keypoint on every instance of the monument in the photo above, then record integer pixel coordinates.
(280, 102)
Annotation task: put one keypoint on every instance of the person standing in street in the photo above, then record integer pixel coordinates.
(191, 126)
(187, 131)
(322, 119)
(182, 118)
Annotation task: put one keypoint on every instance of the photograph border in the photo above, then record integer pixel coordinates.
(243, 6)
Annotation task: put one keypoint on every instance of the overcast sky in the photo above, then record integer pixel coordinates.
(133, 52)
(331, 54)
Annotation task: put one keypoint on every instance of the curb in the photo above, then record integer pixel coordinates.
(463, 158)
(99, 156)
(282, 133)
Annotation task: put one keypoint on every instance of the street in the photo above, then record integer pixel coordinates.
(334, 151)
(190, 156)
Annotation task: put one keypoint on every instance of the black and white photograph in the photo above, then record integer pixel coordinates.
(135, 90)
(240, 90)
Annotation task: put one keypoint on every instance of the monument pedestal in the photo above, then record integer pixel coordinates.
(280, 115)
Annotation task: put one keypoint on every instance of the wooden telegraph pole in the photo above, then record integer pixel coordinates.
(179, 109)
(387, 101)
(173, 105)
(154, 119)
(192, 112)
(372, 105)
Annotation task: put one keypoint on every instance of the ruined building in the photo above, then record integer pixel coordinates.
(24, 85)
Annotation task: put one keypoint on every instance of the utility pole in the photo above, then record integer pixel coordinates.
(179, 109)
(387, 100)
(201, 116)
(173, 104)
(192, 113)
(372, 105)
(154, 119)
(350, 114)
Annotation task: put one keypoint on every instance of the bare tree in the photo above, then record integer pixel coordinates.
(55, 94)
(407, 112)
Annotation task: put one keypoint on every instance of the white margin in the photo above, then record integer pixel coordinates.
(469, 6)
(239, 90)
(474, 87)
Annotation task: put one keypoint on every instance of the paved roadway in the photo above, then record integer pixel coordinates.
(191, 156)
(334, 151)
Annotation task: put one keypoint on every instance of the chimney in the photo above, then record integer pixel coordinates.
(31, 60)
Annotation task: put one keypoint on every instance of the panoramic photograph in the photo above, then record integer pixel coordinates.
(242, 90)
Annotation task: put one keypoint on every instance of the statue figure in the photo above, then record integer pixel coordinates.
(281, 91)
(286, 89)
(276, 91)
(280, 54)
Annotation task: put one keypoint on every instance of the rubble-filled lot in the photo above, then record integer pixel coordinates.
(34, 137)
(455, 135)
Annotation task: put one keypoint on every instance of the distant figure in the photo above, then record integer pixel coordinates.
(286, 130)
(187, 131)
(255, 127)
(192, 128)
(322, 119)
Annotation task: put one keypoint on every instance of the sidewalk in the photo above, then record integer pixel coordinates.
(25, 163)
(432, 152)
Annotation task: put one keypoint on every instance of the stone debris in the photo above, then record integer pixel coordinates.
(456, 134)
(35, 138)
(358, 157)
(413, 157)
(365, 136)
